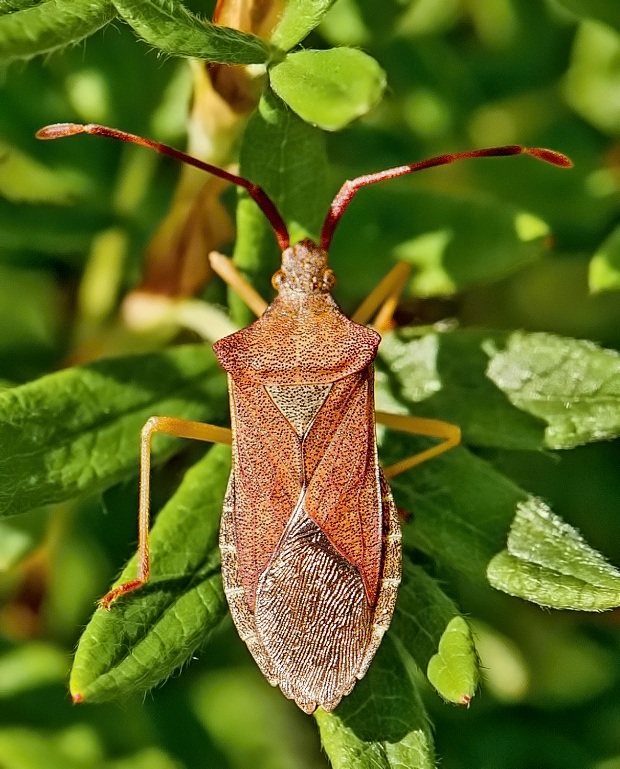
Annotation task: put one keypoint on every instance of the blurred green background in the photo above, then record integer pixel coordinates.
(460, 74)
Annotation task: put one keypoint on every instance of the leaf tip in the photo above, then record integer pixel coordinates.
(77, 697)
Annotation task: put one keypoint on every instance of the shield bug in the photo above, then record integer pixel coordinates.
(310, 539)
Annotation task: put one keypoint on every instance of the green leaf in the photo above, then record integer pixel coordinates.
(10, 6)
(32, 322)
(23, 748)
(61, 232)
(498, 240)
(24, 179)
(573, 385)
(171, 28)
(77, 431)
(453, 240)
(298, 19)
(250, 721)
(603, 10)
(31, 665)
(443, 375)
(509, 391)
(78, 747)
(19, 536)
(592, 80)
(604, 273)
(453, 671)
(548, 562)
(382, 724)
(49, 26)
(147, 635)
(328, 88)
(429, 627)
(462, 506)
(287, 157)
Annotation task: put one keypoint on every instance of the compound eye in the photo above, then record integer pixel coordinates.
(329, 280)
(278, 280)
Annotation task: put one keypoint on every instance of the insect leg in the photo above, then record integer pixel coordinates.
(180, 428)
(384, 298)
(449, 434)
(227, 271)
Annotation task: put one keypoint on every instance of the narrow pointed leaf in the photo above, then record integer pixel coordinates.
(171, 28)
(328, 88)
(429, 627)
(604, 274)
(77, 431)
(548, 562)
(148, 634)
(299, 18)
(49, 26)
(382, 724)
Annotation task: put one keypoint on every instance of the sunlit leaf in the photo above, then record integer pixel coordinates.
(429, 627)
(299, 18)
(77, 431)
(382, 724)
(145, 636)
(604, 274)
(49, 26)
(173, 29)
(443, 375)
(549, 563)
(593, 79)
(452, 240)
(573, 385)
(328, 88)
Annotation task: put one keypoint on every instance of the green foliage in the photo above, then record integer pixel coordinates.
(171, 28)
(150, 634)
(48, 26)
(76, 431)
(328, 88)
(500, 252)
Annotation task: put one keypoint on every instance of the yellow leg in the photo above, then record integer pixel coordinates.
(433, 428)
(227, 271)
(383, 299)
(180, 428)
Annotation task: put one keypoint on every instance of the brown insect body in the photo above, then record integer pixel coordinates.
(310, 540)
(311, 547)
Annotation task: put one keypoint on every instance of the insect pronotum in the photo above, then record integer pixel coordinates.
(310, 539)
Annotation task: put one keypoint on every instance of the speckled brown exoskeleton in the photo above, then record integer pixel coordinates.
(310, 539)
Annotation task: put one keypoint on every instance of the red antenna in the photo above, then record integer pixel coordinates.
(349, 188)
(342, 199)
(257, 193)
